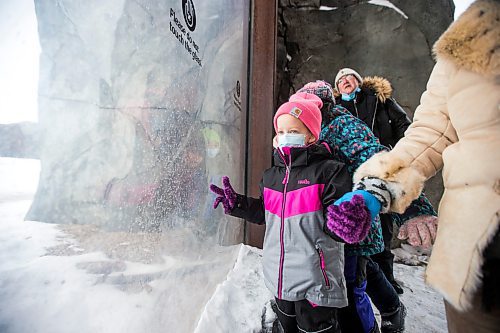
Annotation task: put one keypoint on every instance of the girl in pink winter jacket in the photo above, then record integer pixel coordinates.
(306, 225)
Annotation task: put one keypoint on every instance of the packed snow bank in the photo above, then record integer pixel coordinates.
(92, 292)
(241, 302)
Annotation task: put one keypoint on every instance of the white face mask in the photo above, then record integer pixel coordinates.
(291, 140)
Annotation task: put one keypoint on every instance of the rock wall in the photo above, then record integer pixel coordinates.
(140, 107)
(317, 38)
(19, 140)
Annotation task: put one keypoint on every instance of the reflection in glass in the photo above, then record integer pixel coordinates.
(140, 107)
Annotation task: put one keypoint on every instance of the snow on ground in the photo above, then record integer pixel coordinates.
(53, 278)
(425, 306)
(240, 295)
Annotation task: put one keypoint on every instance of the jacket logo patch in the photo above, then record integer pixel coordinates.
(304, 182)
(296, 112)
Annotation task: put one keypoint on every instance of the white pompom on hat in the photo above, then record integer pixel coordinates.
(347, 71)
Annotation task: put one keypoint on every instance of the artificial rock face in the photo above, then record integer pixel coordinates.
(19, 140)
(373, 39)
(315, 41)
(139, 109)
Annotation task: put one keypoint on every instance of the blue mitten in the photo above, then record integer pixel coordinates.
(371, 201)
(350, 216)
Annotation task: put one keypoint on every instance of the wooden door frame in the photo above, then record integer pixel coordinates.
(260, 103)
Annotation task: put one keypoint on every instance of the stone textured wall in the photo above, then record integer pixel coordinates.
(317, 38)
(138, 113)
(19, 140)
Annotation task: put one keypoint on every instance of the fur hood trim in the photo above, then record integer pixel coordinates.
(473, 40)
(381, 86)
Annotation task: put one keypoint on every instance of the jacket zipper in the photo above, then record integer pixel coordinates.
(322, 265)
(282, 227)
(374, 113)
(356, 108)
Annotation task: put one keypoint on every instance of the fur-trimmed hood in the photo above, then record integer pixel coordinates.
(380, 85)
(473, 43)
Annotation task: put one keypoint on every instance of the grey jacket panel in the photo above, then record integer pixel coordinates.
(302, 274)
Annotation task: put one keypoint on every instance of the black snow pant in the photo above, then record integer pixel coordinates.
(385, 259)
(302, 316)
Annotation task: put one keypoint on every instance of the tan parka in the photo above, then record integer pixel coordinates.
(456, 127)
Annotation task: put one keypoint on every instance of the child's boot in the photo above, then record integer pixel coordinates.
(394, 322)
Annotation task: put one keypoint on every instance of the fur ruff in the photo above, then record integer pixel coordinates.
(404, 183)
(473, 40)
(381, 86)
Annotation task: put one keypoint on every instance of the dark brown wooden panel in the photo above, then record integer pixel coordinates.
(262, 69)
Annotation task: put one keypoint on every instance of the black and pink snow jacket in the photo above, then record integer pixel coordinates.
(302, 259)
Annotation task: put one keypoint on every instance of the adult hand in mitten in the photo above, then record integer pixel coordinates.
(420, 230)
(350, 217)
(226, 195)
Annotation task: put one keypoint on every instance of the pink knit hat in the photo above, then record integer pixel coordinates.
(305, 107)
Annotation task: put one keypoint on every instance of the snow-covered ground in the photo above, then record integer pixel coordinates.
(425, 306)
(53, 279)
